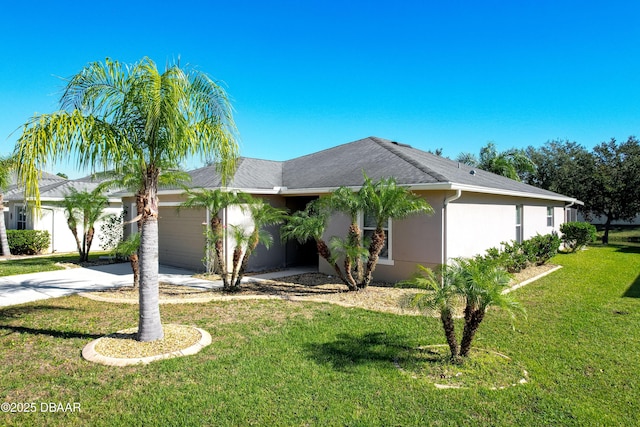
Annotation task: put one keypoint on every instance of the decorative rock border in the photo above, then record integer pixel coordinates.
(89, 352)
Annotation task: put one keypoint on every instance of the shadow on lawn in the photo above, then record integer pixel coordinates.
(15, 312)
(349, 350)
(49, 332)
(634, 290)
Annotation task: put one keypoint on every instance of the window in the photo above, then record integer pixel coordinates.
(549, 216)
(519, 223)
(368, 228)
(21, 218)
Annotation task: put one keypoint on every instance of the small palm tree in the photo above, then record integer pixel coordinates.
(385, 200)
(83, 207)
(215, 201)
(311, 224)
(442, 297)
(129, 248)
(482, 285)
(7, 164)
(354, 254)
(477, 282)
(351, 203)
(262, 215)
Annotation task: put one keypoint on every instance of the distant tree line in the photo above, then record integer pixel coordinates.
(606, 179)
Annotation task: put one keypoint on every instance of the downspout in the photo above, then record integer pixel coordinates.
(443, 246)
(565, 210)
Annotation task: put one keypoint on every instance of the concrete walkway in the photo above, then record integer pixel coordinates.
(53, 284)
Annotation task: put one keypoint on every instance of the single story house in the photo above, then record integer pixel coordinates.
(52, 218)
(474, 209)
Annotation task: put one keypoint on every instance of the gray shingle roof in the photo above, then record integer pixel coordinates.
(379, 158)
(250, 174)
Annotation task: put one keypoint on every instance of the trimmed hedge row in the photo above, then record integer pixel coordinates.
(28, 242)
(515, 257)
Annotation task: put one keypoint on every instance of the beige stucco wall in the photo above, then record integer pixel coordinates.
(180, 237)
(476, 222)
(414, 240)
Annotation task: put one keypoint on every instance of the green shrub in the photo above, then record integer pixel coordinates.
(515, 257)
(28, 242)
(543, 248)
(576, 235)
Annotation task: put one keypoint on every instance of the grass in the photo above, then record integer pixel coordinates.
(285, 363)
(41, 263)
(621, 233)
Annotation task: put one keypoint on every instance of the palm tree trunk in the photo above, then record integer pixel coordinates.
(376, 245)
(149, 324)
(135, 266)
(235, 267)
(74, 231)
(4, 242)
(245, 259)
(351, 282)
(90, 235)
(470, 329)
(355, 239)
(217, 230)
(449, 332)
(325, 253)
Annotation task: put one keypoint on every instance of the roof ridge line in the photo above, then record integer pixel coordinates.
(411, 161)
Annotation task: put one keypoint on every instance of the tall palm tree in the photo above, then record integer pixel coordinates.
(7, 164)
(215, 201)
(131, 178)
(113, 113)
(385, 200)
(85, 208)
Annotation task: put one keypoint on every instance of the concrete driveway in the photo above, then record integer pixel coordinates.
(52, 284)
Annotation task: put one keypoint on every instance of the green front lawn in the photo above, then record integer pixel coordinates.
(286, 363)
(37, 264)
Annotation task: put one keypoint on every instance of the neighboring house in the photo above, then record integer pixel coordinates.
(474, 209)
(21, 216)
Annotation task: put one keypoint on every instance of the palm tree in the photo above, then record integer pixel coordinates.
(482, 285)
(351, 203)
(385, 200)
(129, 248)
(262, 215)
(86, 208)
(513, 163)
(7, 164)
(115, 114)
(131, 178)
(443, 287)
(215, 201)
(311, 224)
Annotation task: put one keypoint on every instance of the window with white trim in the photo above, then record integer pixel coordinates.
(369, 227)
(519, 223)
(21, 218)
(549, 216)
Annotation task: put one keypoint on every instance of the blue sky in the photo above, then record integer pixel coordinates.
(308, 75)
